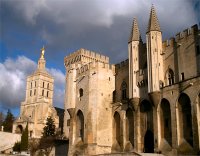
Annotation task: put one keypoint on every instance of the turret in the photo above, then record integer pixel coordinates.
(133, 51)
(154, 53)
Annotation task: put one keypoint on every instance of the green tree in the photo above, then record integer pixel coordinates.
(47, 140)
(49, 129)
(24, 139)
(8, 122)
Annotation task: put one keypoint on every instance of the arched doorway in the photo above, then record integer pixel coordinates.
(80, 125)
(165, 117)
(130, 126)
(148, 142)
(19, 129)
(185, 118)
(146, 119)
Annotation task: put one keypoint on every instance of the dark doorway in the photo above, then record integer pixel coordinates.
(149, 142)
(80, 125)
(19, 129)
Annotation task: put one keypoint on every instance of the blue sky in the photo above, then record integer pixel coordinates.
(64, 26)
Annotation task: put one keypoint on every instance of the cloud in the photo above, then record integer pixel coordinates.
(103, 26)
(13, 73)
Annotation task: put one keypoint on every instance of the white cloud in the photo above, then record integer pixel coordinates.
(13, 73)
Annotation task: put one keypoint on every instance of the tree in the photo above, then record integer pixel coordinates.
(16, 146)
(47, 140)
(8, 122)
(33, 146)
(24, 139)
(49, 129)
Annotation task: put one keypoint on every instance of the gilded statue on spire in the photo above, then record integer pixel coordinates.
(42, 52)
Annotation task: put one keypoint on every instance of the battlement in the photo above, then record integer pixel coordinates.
(168, 43)
(94, 65)
(181, 36)
(85, 56)
(122, 64)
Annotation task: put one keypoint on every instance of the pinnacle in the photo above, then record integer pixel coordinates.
(135, 33)
(153, 21)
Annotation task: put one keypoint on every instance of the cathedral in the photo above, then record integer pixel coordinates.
(149, 103)
(38, 104)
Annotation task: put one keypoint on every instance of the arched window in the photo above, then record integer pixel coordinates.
(34, 91)
(43, 85)
(35, 83)
(124, 90)
(31, 84)
(47, 93)
(48, 86)
(43, 92)
(80, 92)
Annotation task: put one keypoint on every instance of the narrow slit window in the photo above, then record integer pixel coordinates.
(42, 92)
(80, 92)
(182, 76)
(47, 93)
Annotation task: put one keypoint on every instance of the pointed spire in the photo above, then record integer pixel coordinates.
(135, 33)
(153, 21)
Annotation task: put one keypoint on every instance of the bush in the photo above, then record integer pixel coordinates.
(16, 146)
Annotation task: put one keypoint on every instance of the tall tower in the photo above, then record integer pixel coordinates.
(154, 53)
(133, 51)
(38, 103)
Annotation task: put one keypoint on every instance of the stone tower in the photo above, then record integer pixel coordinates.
(38, 101)
(133, 51)
(89, 86)
(154, 53)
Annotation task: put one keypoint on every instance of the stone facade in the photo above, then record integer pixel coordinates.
(38, 102)
(148, 103)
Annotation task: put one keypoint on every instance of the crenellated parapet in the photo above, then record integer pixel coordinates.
(83, 56)
(94, 66)
(180, 37)
(122, 64)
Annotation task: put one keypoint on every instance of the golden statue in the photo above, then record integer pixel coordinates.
(42, 52)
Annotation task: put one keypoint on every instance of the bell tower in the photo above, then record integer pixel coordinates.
(154, 53)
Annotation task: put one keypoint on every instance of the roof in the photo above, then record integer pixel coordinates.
(135, 33)
(153, 21)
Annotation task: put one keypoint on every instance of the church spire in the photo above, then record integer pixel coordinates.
(153, 21)
(135, 33)
(41, 61)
